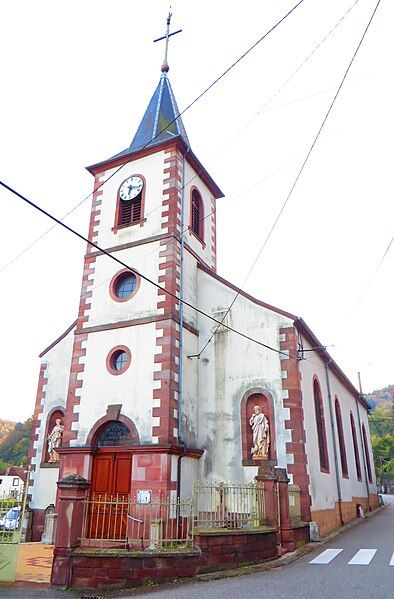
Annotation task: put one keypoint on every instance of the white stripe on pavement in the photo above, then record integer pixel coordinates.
(326, 556)
(392, 560)
(363, 557)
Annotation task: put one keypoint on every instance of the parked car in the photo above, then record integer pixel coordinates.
(11, 519)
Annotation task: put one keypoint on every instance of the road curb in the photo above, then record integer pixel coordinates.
(286, 559)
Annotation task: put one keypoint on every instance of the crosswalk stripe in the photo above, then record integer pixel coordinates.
(326, 556)
(392, 560)
(363, 557)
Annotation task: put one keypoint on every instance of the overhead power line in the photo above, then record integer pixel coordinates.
(131, 157)
(297, 177)
(136, 272)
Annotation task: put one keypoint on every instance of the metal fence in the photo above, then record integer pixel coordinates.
(228, 505)
(139, 523)
(295, 503)
(124, 522)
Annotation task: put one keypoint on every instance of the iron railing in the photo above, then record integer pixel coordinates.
(294, 503)
(139, 523)
(11, 517)
(228, 505)
(125, 522)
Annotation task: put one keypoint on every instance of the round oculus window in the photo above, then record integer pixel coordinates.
(124, 285)
(118, 360)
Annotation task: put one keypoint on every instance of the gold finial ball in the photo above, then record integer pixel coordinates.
(165, 68)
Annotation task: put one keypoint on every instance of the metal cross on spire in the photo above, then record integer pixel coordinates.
(165, 68)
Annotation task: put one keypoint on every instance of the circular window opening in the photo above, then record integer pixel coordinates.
(123, 286)
(118, 360)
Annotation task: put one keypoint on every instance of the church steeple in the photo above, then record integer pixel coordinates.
(160, 121)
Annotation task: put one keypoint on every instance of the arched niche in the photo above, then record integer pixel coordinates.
(54, 414)
(260, 397)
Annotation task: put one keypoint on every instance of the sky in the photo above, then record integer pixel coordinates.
(76, 79)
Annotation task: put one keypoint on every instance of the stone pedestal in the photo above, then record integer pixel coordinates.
(277, 503)
(72, 492)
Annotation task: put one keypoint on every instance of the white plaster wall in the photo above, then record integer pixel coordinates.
(230, 366)
(192, 179)
(144, 303)
(323, 487)
(189, 473)
(191, 391)
(58, 360)
(132, 389)
(152, 168)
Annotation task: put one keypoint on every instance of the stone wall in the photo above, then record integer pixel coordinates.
(329, 520)
(215, 551)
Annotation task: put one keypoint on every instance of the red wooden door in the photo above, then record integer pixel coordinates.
(111, 480)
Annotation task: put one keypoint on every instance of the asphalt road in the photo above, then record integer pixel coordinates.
(334, 579)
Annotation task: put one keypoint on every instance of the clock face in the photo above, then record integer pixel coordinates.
(130, 188)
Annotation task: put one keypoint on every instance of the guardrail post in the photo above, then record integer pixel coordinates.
(72, 495)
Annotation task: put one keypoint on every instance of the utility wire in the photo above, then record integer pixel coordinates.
(372, 277)
(297, 177)
(136, 272)
(160, 132)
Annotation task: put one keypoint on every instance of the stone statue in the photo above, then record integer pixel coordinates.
(55, 441)
(261, 434)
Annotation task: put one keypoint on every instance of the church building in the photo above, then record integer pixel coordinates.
(126, 397)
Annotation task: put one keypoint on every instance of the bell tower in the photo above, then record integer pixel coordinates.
(153, 203)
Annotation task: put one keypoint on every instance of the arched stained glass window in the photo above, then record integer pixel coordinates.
(320, 426)
(355, 447)
(366, 452)
(114, 434)
(341, 439)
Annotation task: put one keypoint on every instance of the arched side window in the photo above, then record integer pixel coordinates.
(130, 202)
(366, 453)
(355, 447)
(197, 214)
(341, 439)
(320, 426)
(55, 414)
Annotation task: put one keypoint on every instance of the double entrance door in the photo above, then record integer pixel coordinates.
(109, 499)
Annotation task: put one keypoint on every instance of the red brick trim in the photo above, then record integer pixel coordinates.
(141, 221)
(108, 361)
(77, 367)
(262, 398)
(130, 244)
(36, 424)
(167, 359)
(213, 232)
(131, 323)
(115, 280)
(256, 301)
(291, 386)
(62, 336)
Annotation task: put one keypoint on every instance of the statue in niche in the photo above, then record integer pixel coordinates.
(55, 441)
(261, 434)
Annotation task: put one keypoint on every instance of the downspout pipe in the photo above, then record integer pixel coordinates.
(181, 295)
(334, 442)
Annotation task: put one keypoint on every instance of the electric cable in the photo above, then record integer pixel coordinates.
(131, 157)
(297, 177)
(136, 272)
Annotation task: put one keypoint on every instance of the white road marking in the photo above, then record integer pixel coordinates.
(326, 556)
(392, 560)
(363, 557)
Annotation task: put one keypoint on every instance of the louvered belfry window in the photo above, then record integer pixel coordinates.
(130, 210)
(196, 214)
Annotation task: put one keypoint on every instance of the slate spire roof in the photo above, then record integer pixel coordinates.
(160, 122)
